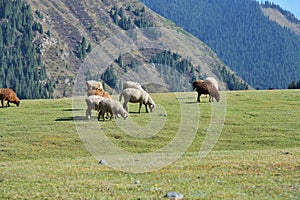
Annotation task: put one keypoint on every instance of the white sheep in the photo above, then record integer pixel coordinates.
(92, 103)
(94, 85)
(211, 81)
(137, 96)
(131, 84)
(113, 107)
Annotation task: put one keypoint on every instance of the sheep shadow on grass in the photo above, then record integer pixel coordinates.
(77, 118)
(72, 109)
(136, 112)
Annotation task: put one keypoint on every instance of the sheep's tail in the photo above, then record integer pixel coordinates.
(120, 97)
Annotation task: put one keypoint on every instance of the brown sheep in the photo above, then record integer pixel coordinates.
(99, 92)
(203, 88)
(7, 94)
(94, 85)
(196, 82)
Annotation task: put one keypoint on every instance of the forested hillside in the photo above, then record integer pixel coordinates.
(20, 65)
(263, 53)
(45, 43)
(65, 34)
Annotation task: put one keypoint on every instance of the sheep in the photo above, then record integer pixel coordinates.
(203, 88)
(92, 103)
(131, 84)
(94, 85)
(99, 92)
(7, 94)
(212, 81)
(196, 82)
(113, 107)
(213, 93)
(137, 96)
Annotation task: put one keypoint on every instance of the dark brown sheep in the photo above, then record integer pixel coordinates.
(196, 82)
(203, 88)
(7, 94)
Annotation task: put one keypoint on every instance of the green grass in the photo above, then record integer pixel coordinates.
(256, 157)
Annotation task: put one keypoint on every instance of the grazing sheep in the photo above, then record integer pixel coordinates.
(7, 94)
(92, 103)
(212, 81)
(196, 82)
(113, 107)
(213, 93)
(99, 92)
(203, 88)
(94, 85)
(131, 84)
(137, 96)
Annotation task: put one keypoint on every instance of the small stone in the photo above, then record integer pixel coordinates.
(174, 196)
(102, 162)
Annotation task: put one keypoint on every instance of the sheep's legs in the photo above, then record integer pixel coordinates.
(99, 114)
(198, 99)
(88, 113)
(139, 107)
(146, 108)
(125, 106)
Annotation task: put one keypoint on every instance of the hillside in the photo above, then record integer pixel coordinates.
(282, 17)
(69, 27)
(262, 52)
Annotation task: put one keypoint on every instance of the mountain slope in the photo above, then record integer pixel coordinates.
(263, 53)
(67, 24)
(282, 17)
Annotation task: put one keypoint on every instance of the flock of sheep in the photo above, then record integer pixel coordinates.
(100, 100)
(133, 92)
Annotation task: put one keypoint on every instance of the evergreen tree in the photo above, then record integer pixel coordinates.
(83, 47)
(89, 48)
(19, 62)
(109, 77)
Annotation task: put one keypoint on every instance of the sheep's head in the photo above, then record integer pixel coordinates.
(217, 97)
(152, 107)
(125, 116)
(16, 101)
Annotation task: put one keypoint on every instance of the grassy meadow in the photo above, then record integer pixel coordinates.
(257, 155)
